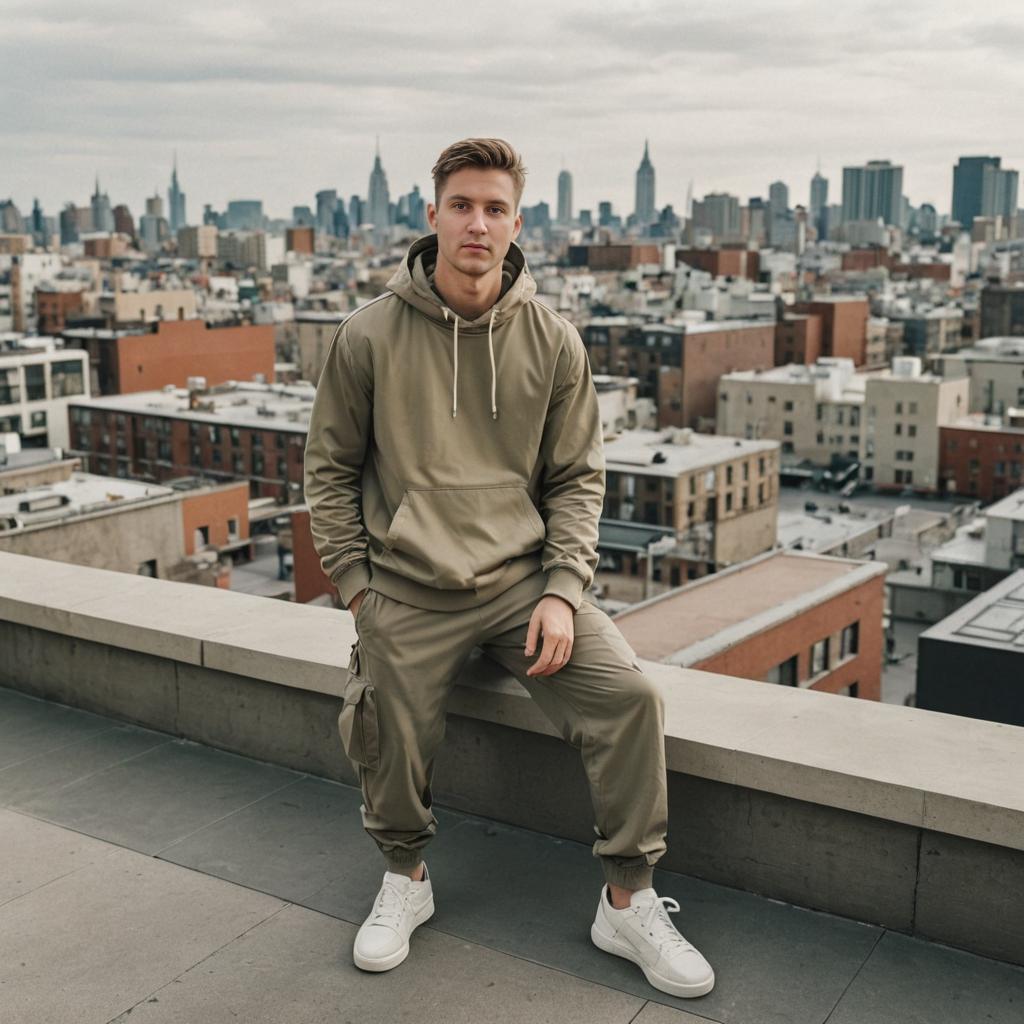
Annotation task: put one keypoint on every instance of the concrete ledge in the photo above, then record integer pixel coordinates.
(942, 772)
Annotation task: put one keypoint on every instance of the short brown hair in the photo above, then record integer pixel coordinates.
(496, 153)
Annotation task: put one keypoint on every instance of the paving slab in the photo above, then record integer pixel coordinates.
(36, 853)
(295, 967)
(656, 1013)
(160, 796)
(910, 981)
(92, 943)
(291, 843)
(52, 770)
(29, 727)
(534, 896)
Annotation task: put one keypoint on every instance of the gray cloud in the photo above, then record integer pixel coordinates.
(280, 100)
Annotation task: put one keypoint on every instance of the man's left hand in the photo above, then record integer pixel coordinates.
(553, 619)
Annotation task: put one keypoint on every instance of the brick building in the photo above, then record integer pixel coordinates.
(844, 321)
(727, 261)
(678, 365)
(613, 256)
(54, 305)
(790, 618)
(168, 352)
(981, 457)
(798, 339)
(245, 431)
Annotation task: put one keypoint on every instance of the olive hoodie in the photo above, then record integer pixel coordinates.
(447, 459)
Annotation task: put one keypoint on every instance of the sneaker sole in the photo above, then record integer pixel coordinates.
(386, 963)
(674, 988)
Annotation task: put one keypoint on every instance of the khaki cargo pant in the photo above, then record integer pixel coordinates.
(403, 667)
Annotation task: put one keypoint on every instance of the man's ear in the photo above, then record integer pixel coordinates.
(432, 215)
(518, 226)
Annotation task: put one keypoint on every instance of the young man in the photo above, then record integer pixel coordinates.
(455, 479)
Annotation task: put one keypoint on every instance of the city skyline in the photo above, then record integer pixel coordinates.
(731, 103)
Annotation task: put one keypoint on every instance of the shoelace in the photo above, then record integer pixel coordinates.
(659, 924)
(390, 906)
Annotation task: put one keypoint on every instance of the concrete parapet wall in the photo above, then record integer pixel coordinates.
(897, 816)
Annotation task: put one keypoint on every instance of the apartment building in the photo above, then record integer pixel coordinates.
(995, 369)
(982, 456)
(36, 384)
(718, 496)
(905, 410)
(814, 412)
(233, 431)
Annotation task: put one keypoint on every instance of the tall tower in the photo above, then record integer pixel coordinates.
(564, 197)
(102, 214)
(819, 202)
(378, 200)
(175, 200)
(644, 207)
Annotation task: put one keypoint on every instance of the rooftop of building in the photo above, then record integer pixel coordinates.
(986, 421)
(691, 623)
(995, 618)
(854, 385)
(80, 494)
(233, 403)
(826, 527)
(997, 347)
(677, 451)
(965, 547)
(149, 875)
(1010, 507)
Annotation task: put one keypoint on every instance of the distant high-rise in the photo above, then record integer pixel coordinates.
(998, 192)
(68, 224)
(302, 217)
(326, 201)
(719, 213)
(968, 178)
(819, 204)
(564, 197)
(175, 200)
(644, 207)
(356, 212)
(778, 198)
(872, 191)
(102, 214)
(605, 213)
(244, 215)
(378, 200)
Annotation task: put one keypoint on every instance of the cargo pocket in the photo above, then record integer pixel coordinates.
(357, 722)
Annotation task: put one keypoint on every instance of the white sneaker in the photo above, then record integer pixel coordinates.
(382, 941)
(644, 933)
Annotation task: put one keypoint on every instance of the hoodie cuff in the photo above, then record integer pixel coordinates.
(352, 580)
(566, 584)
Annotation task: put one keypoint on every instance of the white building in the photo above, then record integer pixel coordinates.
(995, 369)
(905, 409)
(35, 387)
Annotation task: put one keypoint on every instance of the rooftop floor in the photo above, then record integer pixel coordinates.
(146, 878)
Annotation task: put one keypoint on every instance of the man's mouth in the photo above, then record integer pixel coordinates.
(475, 245)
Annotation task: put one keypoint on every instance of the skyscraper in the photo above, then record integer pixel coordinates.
(326, 201)
(999, 192)
(102, 214)
(564, 197)
(968, 177)
(778, 198)
(819, 204)
(175, 200)
(643, 210)
(872, 191)
(378, 201)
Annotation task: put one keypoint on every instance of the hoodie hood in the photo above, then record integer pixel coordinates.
(413, 281)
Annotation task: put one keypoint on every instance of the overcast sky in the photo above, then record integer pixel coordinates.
(276, 100)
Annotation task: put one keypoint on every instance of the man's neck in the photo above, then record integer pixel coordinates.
(465, 294)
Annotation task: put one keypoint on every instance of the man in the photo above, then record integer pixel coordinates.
(455, 479)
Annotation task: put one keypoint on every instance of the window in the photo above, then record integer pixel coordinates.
(898, 429)
(787, 406)
(746, 470)
(819, 412)
(39, 419)
(819, 657)
(787, 447)
(35, 382)
(783, 674)
(234, 435)
(787, 428)
(728, 501)
(899, 408)
(214, 433)
(912, 430)
(728, 474)
(913, 408)
(848, 691)
(66, 378)
(257, 463)
(849, 639)
(10, 389)
(282, 472)
(257, 439)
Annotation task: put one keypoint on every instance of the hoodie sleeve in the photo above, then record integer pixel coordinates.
(336, 445)
(573, 483)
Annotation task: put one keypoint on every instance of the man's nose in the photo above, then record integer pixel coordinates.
(477, 224)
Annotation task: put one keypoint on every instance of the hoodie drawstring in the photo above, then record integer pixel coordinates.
(455, 361)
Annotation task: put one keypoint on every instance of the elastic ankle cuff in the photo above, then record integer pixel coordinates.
(403, 862)
(639, 876)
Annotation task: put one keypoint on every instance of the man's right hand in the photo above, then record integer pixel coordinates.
(356, 602)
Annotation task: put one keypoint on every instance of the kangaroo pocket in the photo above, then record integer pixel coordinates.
(452, 537)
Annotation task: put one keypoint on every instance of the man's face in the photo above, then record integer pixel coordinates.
(475, 219)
